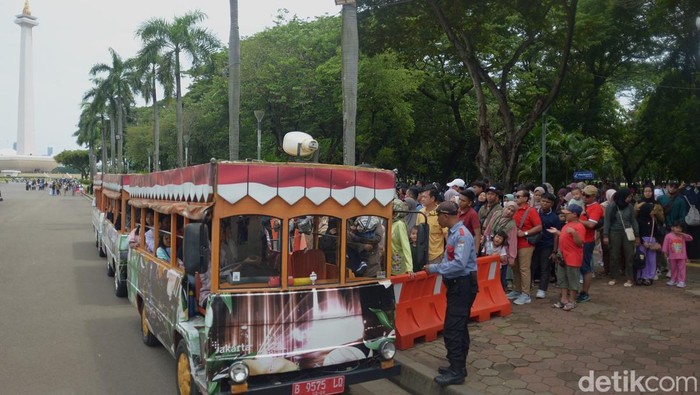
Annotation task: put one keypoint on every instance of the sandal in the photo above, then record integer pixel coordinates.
(629, 283)
(569, 307)
(559, 305)
(611, 282)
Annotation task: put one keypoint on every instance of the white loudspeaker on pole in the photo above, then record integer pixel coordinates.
(299, 144)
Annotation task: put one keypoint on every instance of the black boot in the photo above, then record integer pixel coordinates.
(451, 377)
(446, 369)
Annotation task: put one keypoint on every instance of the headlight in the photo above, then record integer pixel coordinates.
(387, 350)
(239, 372)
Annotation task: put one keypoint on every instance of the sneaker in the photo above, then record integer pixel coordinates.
(540, 294)
(522, 299)
(680, 284)
(671, 283)
(656, 277)
(512, 295)
(668, 274)
(361, 270)
(583, 297)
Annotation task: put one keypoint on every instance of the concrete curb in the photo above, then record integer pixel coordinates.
(417, 378)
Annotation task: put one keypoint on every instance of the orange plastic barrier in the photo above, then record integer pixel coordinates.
(420, 308)
(421, 302)
(491, 298)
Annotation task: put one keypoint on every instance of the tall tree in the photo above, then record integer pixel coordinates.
(152, 69)
(99, 103)
(526, 25)
(174, 39)
(515, 52)
(88, 134)
(117, 85)
(234, 83)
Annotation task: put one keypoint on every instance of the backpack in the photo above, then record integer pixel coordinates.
(693, 216)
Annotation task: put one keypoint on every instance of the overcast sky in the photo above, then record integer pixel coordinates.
(73, 35)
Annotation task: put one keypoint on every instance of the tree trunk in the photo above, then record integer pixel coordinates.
(350, 59)
(112, 141)
(234, 84)
(120, 130)
(91, 157)
(103, 132)
(156, 130)
(178, 110)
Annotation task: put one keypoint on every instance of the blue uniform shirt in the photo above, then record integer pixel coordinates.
(460, 257)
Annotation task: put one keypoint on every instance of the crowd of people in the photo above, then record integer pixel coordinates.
(545, 235)
(57, 187)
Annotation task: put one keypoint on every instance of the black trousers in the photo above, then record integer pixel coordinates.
(461, 292)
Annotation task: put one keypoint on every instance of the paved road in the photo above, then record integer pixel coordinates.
(62, 329)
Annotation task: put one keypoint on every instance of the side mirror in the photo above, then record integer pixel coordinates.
(196, 245)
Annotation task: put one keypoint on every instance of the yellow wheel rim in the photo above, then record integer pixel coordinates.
(183, 374)
(144, 322)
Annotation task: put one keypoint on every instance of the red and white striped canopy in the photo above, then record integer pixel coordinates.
(264, 181)
(192, 184)
(114, 182)
(291, 182)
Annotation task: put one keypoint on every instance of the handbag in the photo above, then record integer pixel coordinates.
(693, 216)
(628, 231)
(650, 241)
(532, 239)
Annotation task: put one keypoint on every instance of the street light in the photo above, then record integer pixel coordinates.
(259, 114)
(187, 147)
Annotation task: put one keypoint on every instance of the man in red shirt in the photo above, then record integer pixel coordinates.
(528, 223)
(571, 247)
(591, 217)
(469, 216)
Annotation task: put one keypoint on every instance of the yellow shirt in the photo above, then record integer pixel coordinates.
(436, 246)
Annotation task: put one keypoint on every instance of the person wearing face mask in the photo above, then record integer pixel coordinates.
(621, 233)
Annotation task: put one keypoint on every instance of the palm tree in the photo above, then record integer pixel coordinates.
(234, 83)
(172, 39)
(88, 134)
(99, 104)
(117, 85)
(151, 69)
(350, 58)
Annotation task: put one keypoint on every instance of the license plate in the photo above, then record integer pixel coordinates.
(326, 386)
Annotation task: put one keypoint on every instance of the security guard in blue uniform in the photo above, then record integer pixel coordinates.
(458, 270)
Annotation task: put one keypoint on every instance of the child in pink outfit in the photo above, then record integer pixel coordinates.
(675, 252)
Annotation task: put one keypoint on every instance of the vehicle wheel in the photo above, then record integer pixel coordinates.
(110, 269)
(185, 380)
(119, 286)
(148, 338)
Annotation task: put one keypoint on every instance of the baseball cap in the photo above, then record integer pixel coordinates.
(494, 190)
(449, 208)
(573, 208)
(458, 182)
(590, 190)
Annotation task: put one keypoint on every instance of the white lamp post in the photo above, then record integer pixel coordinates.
(259, 114)
(187, 147)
